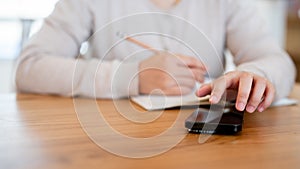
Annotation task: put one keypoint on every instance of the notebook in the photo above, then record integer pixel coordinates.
(155, 102)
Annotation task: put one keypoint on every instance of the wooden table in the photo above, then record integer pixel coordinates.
(44, 132)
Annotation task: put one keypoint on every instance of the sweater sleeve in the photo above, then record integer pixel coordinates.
(48, 63)
(255, 51)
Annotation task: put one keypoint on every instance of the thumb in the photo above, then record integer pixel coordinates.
(204, 90)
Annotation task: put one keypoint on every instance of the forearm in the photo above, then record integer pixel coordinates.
(45, 75)
(255, 50)
(70, 77)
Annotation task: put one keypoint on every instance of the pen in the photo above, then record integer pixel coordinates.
(139, 43)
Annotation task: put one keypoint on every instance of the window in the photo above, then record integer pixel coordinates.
(16, 19)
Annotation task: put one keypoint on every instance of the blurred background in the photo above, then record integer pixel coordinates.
(20, 19)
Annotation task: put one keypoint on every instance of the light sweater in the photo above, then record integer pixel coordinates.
(51, 62)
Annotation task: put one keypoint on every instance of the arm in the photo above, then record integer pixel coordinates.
(264, 71)
(48, 63)
(255, 51)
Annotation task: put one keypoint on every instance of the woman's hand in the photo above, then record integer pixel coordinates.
(253, 92)
(170, 74)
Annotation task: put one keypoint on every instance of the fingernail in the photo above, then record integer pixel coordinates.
(241, 106)
(261, 109)
(250, 109)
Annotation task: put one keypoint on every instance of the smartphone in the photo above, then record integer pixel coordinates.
(215, 120)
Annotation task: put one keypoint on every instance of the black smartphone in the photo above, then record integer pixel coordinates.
(215, 120)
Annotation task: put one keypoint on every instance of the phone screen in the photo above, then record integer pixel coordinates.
(226, 120)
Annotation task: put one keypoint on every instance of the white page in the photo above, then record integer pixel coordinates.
(285, 102)
(155, 102)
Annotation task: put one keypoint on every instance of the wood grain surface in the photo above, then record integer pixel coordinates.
(54, 132)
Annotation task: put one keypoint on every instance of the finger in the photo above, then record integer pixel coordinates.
(194, 73)
(218, 89)
(186, 82)
(176, 90)
(204, 90)
(269, 97)
(245, 85)
(175, 80)
(256, 95)
(183, 72)
(192, 62)
(199, 75)
(169, 80)
(197, 67)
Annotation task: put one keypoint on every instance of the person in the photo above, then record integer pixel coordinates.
(49, 64)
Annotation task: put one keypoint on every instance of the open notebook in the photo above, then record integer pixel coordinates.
(154, 102)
